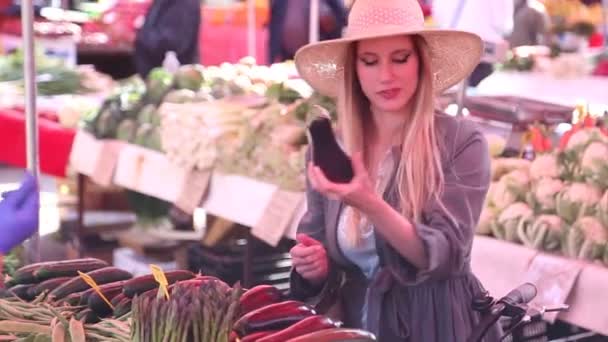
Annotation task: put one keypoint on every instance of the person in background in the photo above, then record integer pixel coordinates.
(289, 22)
(18, 215)
(531, 24)
(170, 25)
(492, 20)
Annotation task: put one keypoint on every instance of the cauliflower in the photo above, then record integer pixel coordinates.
(510, 221)
(545, 165)
(602, 209)
(502, 166)
(484, 226)
(583, 137)
(594, 164)
(586, 239)
(542, 196)
(518, 182)
(577, 200)
(496, 144)
(500, 197)
(544, 233)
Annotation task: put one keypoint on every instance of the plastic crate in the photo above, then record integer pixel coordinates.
(529, 332)
(269, 265)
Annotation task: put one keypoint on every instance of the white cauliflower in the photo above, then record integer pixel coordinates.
(500, 196)
(586, 239)
(542, 196)
(595, 155)
(502, 166)
(583, 137)
(510, 221)
(602, 209)
(594, 164)
(518, 182)
(545, 165)
(577, 200)
(484, 226)
(544, 233)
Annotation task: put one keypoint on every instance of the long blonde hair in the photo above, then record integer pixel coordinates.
(419, 171)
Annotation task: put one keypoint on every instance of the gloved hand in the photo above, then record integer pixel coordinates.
(19, 214)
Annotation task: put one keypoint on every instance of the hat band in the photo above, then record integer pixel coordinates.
(381, 30)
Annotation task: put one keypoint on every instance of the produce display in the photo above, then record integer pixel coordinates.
(559, 201)
(240, 119)
(52, 301)
(53, 76)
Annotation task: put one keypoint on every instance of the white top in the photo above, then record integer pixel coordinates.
(492, 20)
(365, 255)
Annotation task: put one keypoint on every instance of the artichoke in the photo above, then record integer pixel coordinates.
(509, 222)
(602, 209)
(544, 233)
(594, 164)
(542, 196)
(586, 239)
(544, 166)
(577, 200)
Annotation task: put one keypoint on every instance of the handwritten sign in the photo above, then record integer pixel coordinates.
(554, 277)
(278, 215)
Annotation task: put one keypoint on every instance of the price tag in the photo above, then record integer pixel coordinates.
(554, 278)
(108, 158)
(278, 215)
(193, 189)
(161, 279)
(87, 279)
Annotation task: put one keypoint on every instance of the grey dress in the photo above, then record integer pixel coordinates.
(405, 303)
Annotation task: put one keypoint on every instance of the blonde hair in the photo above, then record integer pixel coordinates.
(419, 171)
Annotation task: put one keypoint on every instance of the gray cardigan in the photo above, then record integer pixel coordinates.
(405, 303)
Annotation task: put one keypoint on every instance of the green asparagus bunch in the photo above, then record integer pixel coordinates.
(205, 311)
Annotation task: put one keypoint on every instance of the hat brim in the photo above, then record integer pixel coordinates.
(454, 55)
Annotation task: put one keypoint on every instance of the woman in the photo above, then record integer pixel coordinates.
(393, 246)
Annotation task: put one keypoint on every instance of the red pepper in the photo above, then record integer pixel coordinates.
(540, 142)
(563, 142)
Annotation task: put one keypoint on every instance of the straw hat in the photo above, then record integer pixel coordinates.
(454, 54)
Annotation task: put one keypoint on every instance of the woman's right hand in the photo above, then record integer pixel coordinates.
(309, 259)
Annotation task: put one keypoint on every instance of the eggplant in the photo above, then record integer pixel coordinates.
(327, 153)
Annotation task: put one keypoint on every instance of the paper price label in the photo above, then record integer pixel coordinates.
(278, 215)
(161, 279)
(87, 279)
(554, 278)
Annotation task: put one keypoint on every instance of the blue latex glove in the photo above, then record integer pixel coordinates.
(19, 214)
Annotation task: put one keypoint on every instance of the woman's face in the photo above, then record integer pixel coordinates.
(388, 71)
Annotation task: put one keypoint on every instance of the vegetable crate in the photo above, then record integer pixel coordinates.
(529, 332)
(247, 260)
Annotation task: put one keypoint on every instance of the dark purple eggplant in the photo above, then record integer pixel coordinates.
(327, 154)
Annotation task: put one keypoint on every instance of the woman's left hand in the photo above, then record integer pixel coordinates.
(359, 193)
